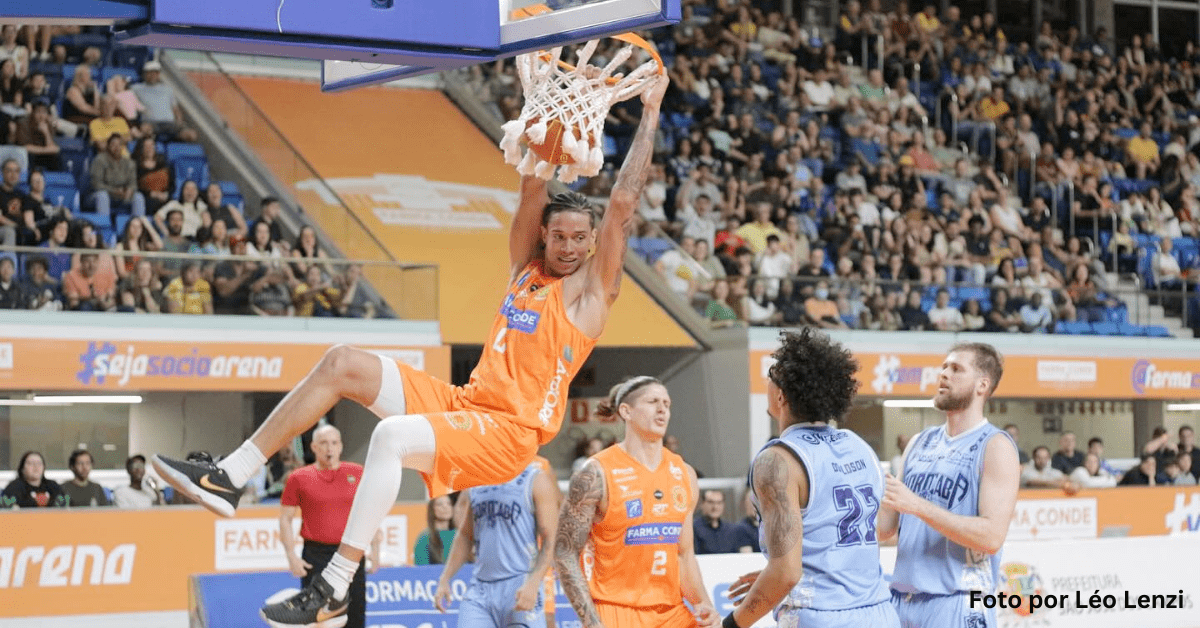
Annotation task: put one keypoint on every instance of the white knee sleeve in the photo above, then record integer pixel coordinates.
(390, 401)
(397, 443)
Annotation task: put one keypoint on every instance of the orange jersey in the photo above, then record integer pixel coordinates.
(632, 555)
(532, 354)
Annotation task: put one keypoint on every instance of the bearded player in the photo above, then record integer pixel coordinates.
(557, 303)
(624, 553)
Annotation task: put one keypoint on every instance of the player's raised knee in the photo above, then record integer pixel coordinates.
(353, 369)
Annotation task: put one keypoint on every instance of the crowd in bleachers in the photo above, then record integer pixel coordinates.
(100, 166)
(912, 170)
(1163, 461)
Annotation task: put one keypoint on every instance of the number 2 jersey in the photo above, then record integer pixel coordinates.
(632, 555)
(841, 553)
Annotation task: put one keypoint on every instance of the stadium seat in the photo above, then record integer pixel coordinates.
(1157, 331)
(1077, 328)
(63, 196)
(180, 150)
(190, 169)
(1129, 329)
(130, 74)
(1105, 329)
(59, 179)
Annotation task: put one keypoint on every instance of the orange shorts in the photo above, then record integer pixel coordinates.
(474, 448)
(615, 616)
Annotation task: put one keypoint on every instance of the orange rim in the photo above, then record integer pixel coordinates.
(629, 38)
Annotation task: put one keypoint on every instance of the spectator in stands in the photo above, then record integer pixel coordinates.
(86, 238)
(1175, 472)
(189, 293)
(315, 296)
(1187, 445)
(153, 175)
(48, 210)
(212, 240)
(1015, 433)
(972, 314)
(759, 308)
(162, 114)
(680, 272)
(269, 214)
(17, 209)
(306, 247)
(1039, 474)
(774, 264)
(1144, 474)
(109, 124)
(943, 317)
(756, 233)
(270, 294)
(355, 303)
(40, 289)
(141, 492)
(1090, 475)
(11, 295)
(81, 102)
(712, 534)
(718, 309)
(34, 134)
(139, 235)
(114, 179)
(88, 291)
(1067, 458)
(191, 208)
(745, 532)
(173, 242)
(31, 488)
(1165, 267)
(81, 492)
(261, 244)
(1096, 446)
(12, 88)
(820, 310)
(11, 50)
(433, 544)
(1160, 446)
(877, 316)
(219, 210)
(142, 291)
(912, 317)
(1144, 160)
(232, 281)
(1036, 316)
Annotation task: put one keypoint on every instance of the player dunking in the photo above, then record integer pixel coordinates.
(510, 529)
(624, 553)
(817, 489)
(557, 303)
(953, 500)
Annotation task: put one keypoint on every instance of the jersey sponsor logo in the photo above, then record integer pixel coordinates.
(459, 420)
(552, 395)
(623, 471)
(676, 472)
(659, 510)
(940, 489)
(491, 512)
(817, 438)
(633, 508)
(525, 321)
(629, 492)
(653, 534)
(679, 498)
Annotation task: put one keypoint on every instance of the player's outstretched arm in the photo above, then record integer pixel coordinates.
(545, 510)
(460, 553)
(691, 582)
(781, 485)
(585, 497)
(617, 224)
(526, 233)
(997, 500)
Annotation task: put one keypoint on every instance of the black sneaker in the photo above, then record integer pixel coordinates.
(201, 479)
(313, 607)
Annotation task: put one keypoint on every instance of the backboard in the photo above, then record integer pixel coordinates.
(365, 42)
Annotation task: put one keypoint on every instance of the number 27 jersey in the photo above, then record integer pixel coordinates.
(632, 555)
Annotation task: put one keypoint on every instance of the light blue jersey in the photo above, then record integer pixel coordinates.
(505, 527)
(841, 553)
(947, 472)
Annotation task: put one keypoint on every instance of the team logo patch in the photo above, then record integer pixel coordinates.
(676, 472)
(541, 294)
(459, 420)
(633, 508)
(659, 510)
(658, 494)
(568, 354)
(679, 497)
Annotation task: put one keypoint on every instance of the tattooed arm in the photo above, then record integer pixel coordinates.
(584, 506)
(781, 484)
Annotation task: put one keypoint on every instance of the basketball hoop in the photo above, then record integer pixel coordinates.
(562, 121)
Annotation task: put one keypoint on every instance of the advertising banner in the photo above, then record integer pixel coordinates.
(1050, 377)
(196, 365)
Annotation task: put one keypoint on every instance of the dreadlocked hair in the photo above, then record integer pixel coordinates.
(816, 375)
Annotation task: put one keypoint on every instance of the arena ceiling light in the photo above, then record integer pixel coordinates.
(1182, 407)
(127, 399)
(908, 403)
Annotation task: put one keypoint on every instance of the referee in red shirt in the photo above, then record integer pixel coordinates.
(323, 493)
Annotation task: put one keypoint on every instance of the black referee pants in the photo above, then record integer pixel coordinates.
(318, 555)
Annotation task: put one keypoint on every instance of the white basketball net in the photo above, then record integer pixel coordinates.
(579, 97)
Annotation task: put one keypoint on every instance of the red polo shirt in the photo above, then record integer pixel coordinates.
(324, 499)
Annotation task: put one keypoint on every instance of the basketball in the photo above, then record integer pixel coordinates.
(551, 149)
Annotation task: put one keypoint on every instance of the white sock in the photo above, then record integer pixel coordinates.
(338, 573)
(242, 464)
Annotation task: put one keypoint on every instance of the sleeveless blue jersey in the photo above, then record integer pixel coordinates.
(841, 553)
(947, 472)
(505, 527)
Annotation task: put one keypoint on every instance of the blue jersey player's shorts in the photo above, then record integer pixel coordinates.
(490, 605)
(880, 615)
(920, 610)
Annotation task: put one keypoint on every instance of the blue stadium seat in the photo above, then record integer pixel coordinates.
(121, 221)
(130, 56)
(130, 74)
(1077, 328)
(1157, 331)
(63, 196)
(229, 188)
(1129, 329)
(180, 150)
(101, 223)
(190, 168)
(1105, 329)
(59, 179)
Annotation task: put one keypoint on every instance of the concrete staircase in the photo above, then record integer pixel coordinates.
(1142, 312)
